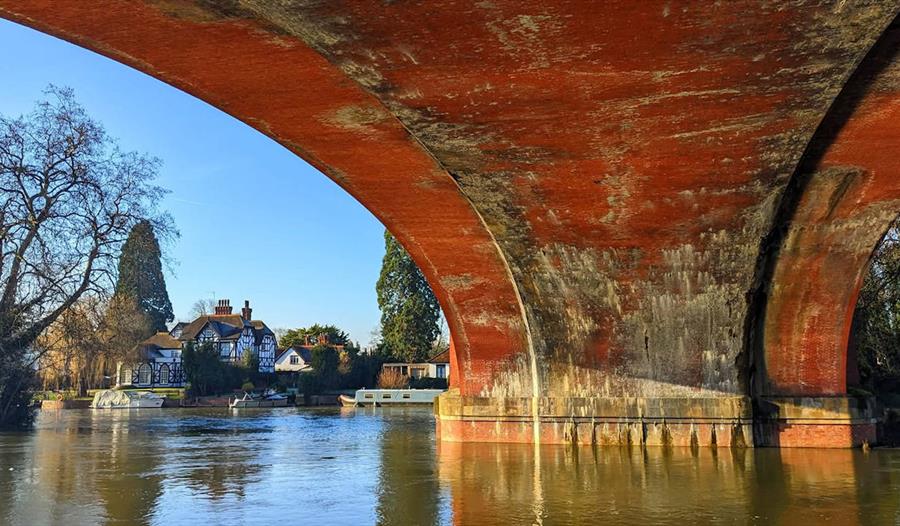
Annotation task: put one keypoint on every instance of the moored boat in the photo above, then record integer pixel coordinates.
(347, 401)
(245, 402)
(114, 399)
(250, 402)
(379, 397)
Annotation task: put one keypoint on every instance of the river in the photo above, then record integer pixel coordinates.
(383, 466)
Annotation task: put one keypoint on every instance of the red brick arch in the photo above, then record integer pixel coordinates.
(290, 93)
(585, 184)
(850, 197)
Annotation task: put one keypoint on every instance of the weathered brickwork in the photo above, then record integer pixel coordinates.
(605, 196)
(850, 197)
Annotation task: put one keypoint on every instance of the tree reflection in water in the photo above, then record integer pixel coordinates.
(382, 466)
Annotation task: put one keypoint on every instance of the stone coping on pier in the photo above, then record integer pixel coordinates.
(727, 421)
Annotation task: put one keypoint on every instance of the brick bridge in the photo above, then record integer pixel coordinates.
(645, 221)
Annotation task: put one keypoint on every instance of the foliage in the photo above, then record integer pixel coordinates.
(250, 360)
(17, 387)
(86, 341)
(324, 363)
(309, 384)
(141, 278)
(409, 309)
(392, 379)
(247, 386)
(208, 375)
(125, 325)
(205, 372)
(353, 371)
(201, 367)
(298, 336)
(876, 324)
(70, 199)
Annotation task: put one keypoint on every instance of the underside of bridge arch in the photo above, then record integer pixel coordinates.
(845, 195)
(604, 196)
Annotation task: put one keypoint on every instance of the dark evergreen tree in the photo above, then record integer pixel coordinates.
(409, 310)
(141, 277)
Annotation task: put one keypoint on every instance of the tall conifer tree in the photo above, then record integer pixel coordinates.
(409, 311)
(141, 278)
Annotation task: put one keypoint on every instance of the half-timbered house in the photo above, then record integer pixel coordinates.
(231, 335)
(158, 365)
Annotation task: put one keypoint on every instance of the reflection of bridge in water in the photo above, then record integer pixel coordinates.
(668, 486)
(364, 466)
(644, 222)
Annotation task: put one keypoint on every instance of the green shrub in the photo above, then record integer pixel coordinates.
(247, 386)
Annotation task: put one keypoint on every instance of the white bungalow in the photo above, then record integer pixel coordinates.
(294, 359)
(436, 367)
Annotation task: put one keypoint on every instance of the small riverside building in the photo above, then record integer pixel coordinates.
(297, 358)
(232, 335)
(438, 366)
(294, 359)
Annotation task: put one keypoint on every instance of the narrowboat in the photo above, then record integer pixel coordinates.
(379, 397)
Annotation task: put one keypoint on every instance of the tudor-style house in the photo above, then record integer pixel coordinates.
(231, 335)
(160, 364)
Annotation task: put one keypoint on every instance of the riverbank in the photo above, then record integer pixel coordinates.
(176, 398)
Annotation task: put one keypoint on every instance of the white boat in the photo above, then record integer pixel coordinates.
(248, 401)
(378, 397)
(115, 399)
(147, 400)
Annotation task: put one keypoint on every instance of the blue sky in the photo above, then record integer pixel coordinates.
(316, 251)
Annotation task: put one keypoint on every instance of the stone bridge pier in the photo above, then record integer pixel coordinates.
(646, 222)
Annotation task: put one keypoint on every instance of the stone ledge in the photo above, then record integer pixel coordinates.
(820, 422)
(725, 421)
(730, 408)
(834, 409)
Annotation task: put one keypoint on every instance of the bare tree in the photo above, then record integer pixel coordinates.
(68, 199)
(202, 307)
(86, 342)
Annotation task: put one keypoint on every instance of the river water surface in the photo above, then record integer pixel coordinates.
(383, 466)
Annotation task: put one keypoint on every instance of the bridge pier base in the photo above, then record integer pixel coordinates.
(718, 421)
(827, 422)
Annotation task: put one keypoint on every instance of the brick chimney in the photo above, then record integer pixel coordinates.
(223, 307)
(247, 312)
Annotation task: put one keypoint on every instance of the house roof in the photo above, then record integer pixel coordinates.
(149, 348)
(162, 340)
(227, 326)
(300, 350)
(441, 357)
(260, 329)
